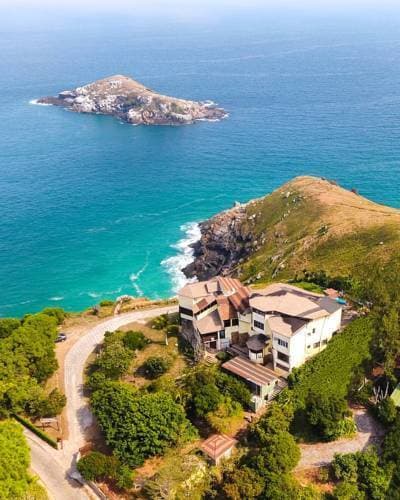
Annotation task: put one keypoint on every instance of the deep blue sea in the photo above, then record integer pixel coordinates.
(91, 208)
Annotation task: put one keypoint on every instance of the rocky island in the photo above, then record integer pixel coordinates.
(133, 103)
(307, 224)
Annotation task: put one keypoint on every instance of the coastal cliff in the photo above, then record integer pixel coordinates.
(308, 224)
(133, 103)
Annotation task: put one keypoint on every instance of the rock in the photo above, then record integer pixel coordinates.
(134, 103)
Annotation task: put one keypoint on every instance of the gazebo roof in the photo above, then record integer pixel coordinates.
(217, 444)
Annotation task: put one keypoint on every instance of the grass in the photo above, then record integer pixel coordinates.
(310, 224)
(157, 347)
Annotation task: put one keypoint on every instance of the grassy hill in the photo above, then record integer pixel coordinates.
(313, 224)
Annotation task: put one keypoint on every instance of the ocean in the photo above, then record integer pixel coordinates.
(92, 208)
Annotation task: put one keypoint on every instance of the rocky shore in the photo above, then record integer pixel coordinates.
(133, 103)
(226, 240)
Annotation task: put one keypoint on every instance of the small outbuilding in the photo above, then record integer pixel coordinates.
(218, 447)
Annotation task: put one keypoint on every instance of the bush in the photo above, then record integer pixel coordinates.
(138, 426)
(55, 312)
(325, 413)
(114, 360)
(50, 406)
(172, 330)
(96, 466)
(42, 435)
(155, 366)
(386, 411)
(160, 322)
(331, 371)
(227, 417)
(106, 303)
(14, 461)
(7, 326)
(135, 340)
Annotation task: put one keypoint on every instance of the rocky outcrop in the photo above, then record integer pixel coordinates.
(225, 241)
(134, 103)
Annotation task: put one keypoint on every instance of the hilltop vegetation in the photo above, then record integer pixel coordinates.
(308, 224)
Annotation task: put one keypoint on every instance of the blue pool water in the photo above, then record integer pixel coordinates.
(91, 208)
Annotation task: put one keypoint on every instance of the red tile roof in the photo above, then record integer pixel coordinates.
(216, 445)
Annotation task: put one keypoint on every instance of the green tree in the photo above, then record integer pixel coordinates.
(7, 326)
(206, 399)
(347, 491)
(386, 411)
(55, 312)
(114, 360)
(234, 388)
(14, 461)
(325, 413)
(227, 417)
(242, 483)
(279, 453)
(139, 426)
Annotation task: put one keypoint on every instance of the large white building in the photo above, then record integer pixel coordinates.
(280, 324)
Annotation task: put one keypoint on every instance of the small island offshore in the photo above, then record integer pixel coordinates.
(133, 103)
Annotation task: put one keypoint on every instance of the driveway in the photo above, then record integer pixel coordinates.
(55, 466)
(369, 432)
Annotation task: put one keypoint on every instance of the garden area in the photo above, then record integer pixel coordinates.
(154, 405)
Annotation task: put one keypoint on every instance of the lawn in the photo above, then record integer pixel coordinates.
(157, 347)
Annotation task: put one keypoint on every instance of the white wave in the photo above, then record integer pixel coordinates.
(174, 265)
(94, 295)
(37, 103)
(56, 298)
(134, 277)
(96, 229)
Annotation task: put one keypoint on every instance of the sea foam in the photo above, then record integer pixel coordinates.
(37, 103)
(174, 265)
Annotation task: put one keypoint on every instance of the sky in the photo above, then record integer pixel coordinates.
(196, 6)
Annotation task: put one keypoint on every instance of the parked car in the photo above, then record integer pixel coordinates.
(61, 337)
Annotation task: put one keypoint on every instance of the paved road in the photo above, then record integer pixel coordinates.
(45, 462)
(53, 466)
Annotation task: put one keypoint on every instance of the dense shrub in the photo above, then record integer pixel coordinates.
(325, 413)
(138, 426)
(27, 359)
(155, 366)
(114, 360)
(135, 340)
(386, 411)
(243, 483)
(48, 406)
(331, 371)
(227, 416)
(14, 461)
(160, 322)
(106, 303)
(7, 326)
(55, 312)
(363, 470)
(96, 466)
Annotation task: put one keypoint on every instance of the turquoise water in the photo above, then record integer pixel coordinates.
(92, 208)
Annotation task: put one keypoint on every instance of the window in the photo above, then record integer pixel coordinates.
(308, 347)
(283, 357)
(325, 341)
(235, 322)
(184, 310)
(283, 343)
(316, 345)
(313, 330)
(259, 325)
(227, 322)
(222, 334)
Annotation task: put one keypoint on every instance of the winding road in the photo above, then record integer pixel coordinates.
(56, 468)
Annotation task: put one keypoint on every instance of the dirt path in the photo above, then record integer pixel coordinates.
(369, 432)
